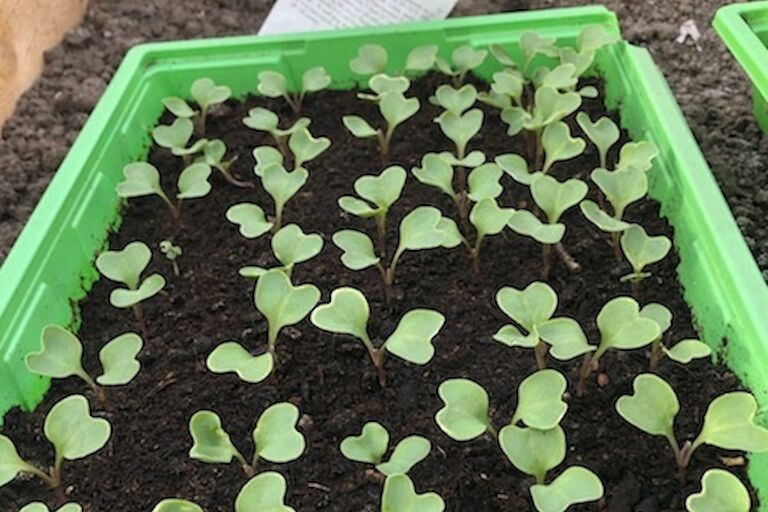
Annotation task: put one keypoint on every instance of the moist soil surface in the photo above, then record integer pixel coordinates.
(330, 378)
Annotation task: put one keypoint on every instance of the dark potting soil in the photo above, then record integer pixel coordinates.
(329, 377)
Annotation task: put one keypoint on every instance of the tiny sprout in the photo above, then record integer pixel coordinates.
(74, 433)
(262, 493)
(176, 136)
(172, 253)
(126, 266)
(464, 59)
(399, 495)
(282, 303)
(275, 438)
(206, 94)
(642, 250)
(683, 351)
(603, 133)
(264, 120)
(382, 191)
(575, 485)
(455, 100)
(559, 145)
(395, 108)
(488, 218)
(637, 155)
(532, 451)
(506, 90)
(461, 128)
(372, 59)
(274, 85)
(61, 356)
(348, 313)
(532, 309)
(372, 444)
(424, 227)
(42, 507)
(230, 356)
(381, 84)
(213, 155)
(143, 179)
(729, 422)
(720, 491)
(250, 218)
(622, 327)
(290, 246)
(282, 185)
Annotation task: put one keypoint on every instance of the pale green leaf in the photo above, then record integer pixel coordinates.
(412, 339)
(508, 83)
(730, 424)
(660, 314)
(637, 155)
(461, 128)
(601, 219)
(421, 58)
(178, 107)
(382, 189)
(554, 198)
(621, 188)
(559, 145)
(272, 84)
(511, 336)
(400, 496)
(573, 486)
(484, 182)
(72, 430)
(532, 451)
(175, 135)
(347, 313)
(291, 245)
(370, 446)
(266, 156)
(455, 100)
(357, 207)
(68, 507)
(465, 413)
(282, 303)
(281, 184)
(641, 249)
(517, 167)
(622, 327)
(141, 179)
(561, 77)
(275, 436)
(435, 172)
(315, 79)
(408, 452)
(382, 83)
(230, 356)
(396, 108)
(652, 406)
(358, 252)
(685, 351)
(177, 505)
(207, 93)
(126, 298)
(210, 442)
(262, 119)
(540, 402)
(193, 181)
(263, 493)
(516, 119)
(125, 266)
(528, 307)
(60, 355)
(721, 491)
(371, 59)
(359, 127)
(489, 218)
(118, 360)
(250, 218)
(526, 223)
(10, 462)
(305, 147)
(603, 133)
(594, 37)
(565, 337)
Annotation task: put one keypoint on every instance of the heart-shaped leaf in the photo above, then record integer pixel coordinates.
(193, 181)
(561, 77)
(489, 218)
(483, 182)
(465, 413)
(263, 493)
(408, 452)
(603, 133)
(658, 313)
(272, 84)
(730, 424)
(686, 351)
(125, 298)
(573, 486)
(358, 249)
(565, 337)
(501, 55)
(580, 60)
(175, 135)
(282, 303)
(460, 128)
(371, 59)
(210, 442)
(382, 189)
(511, 336)
(250, 218)
(60, 354)
(262, 119)
(10, 462)
(305, 147)
(72, 430)
(213, 153)
(412, 339)
(510, 84)
(516, 119)
(621, 188)
(347, 313)
(419, 229)
(125, 266)
(177, 505)
(421, 58)
(601, 219)
(141, 179)
(382, 83)
(637, 155)
(559, 144)
(473, 159)
(594, 37)
(466, 58)
(622, 327)
(532, 451)
(435, 172)
(721, 491)
(396, 108)
(370, 446)
(642, 250)
(266, 156)
(357, 207)
(552, 106)
(178, 107)
(207, 93)
(230, 356)
(359, 127)
(118, 360)
(652, 406)
(540, 402)
(554, 198)
(315, 79)
(275, 435)
(529, 307)
(526, 223)
(291, 245)
(400, 496)
(69, 507)
(282, 185)
(533, 44)
(456, 100)
(517, 167)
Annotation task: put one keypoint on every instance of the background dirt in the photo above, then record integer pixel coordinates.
(709, 86)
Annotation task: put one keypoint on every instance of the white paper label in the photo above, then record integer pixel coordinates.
(306, 15)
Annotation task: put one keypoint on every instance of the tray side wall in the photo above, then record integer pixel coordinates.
(50, 268)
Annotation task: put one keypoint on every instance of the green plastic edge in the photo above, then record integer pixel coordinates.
(744, 30)
(50, 267)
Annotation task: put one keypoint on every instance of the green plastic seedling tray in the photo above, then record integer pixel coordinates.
(744, 29)
(50, 268)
